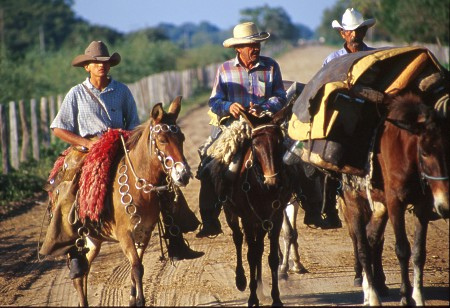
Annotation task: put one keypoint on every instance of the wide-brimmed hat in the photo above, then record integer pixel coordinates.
(351, 20)
(96, 51)
(246, 33)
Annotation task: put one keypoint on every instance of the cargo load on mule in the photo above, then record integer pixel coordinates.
(338, 111)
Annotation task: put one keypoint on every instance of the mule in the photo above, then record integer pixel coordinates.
(152, 162)
(410, 167)
(256, 199)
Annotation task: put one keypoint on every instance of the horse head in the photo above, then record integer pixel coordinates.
(267, 144)
(432, 153)
(166, 141)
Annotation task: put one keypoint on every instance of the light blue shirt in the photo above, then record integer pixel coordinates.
(342, 52)
(84, 116)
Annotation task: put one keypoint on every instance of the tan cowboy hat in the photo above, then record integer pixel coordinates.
(246, 33)
(96, 51)
(351, 20)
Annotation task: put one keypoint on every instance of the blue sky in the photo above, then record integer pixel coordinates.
(130, 15)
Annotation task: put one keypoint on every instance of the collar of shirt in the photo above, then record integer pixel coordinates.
(109, 87)
(237, 63)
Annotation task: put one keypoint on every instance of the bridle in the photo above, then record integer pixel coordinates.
(167, 164)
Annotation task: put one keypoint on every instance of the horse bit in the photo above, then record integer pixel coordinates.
(266, 224)
(141, 184)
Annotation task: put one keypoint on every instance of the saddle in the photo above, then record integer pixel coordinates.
(337, 113)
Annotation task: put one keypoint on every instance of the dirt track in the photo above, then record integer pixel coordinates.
(209, 281)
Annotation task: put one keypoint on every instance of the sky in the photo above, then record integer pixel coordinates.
(131, 15)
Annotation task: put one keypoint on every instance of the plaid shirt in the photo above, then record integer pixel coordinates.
(262, 85)
(84, 116)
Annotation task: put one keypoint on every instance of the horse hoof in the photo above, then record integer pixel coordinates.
(382, 290)
(357, 282)
(241, 283)
(282, 275)
(277, 304)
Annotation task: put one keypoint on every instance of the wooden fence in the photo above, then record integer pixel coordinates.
(24, 132)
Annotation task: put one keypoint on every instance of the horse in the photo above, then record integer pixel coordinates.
(152, 163)
(256, 199)
(410, 168)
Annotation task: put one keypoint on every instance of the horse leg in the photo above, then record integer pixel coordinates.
(355, 207)
(357, 280)
(298, 266)
(233, 223)
(252, 259)
(137, 270)
(402, 249)
(287, 240)
(375, 234)
(274, 260)
(419, 257)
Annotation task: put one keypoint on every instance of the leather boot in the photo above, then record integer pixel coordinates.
(178, 249)
(78, 263)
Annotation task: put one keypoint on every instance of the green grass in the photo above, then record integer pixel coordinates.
(31, 176)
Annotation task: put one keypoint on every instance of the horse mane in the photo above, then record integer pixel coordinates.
(407, 107)
(136, 134)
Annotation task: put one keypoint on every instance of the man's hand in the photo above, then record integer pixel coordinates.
(235, 108)
(255, 109)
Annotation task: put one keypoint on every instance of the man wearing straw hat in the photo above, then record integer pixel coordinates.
(248, 82)
(353, 30)
(89, 110)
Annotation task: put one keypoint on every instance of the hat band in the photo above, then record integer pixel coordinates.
(264, 33)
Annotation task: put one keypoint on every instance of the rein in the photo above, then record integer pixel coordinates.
(167, 163)
(266, 224)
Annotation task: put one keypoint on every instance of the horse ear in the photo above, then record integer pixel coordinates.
(157, 112)
(175, 106)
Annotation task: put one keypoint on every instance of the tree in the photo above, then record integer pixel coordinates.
(274, 20)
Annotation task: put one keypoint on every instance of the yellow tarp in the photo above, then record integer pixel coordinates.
(386, 70)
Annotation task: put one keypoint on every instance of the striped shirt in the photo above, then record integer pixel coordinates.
(342, 52)
(262, 85)
(84, 116)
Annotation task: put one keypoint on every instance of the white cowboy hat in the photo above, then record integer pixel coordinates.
(246, 33)
(96, 51)
(351, 20)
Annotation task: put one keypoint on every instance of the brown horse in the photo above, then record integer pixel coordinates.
(257, 199)
(410, 167)
(153, 163)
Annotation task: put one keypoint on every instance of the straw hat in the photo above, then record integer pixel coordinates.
(246, 33)
(96, 51)
(352, 20)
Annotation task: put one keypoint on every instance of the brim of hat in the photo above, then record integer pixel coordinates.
(240, 41)
(82, 60)
(368, 23)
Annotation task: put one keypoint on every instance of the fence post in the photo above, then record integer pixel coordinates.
(52, 116)
(14, 135)
(44, 123)
(34, 129)
(4, 141)
(25, 132)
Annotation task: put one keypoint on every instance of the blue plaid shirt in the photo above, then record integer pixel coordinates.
(262, 85)
(82, 115)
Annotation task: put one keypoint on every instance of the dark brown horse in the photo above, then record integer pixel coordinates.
(257, 199)
(410, 168)
(154, 162)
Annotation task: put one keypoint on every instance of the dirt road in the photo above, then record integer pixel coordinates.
(209, 281)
